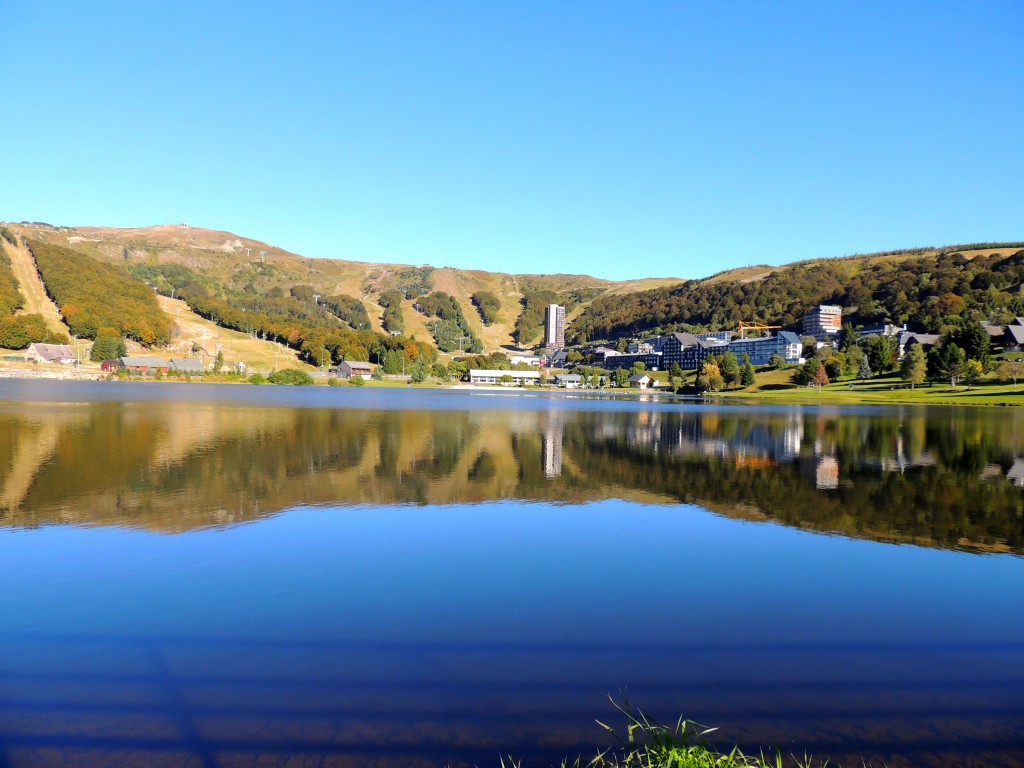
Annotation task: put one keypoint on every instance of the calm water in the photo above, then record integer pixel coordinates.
(222, 576)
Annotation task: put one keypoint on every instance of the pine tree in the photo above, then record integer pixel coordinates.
(865, 371)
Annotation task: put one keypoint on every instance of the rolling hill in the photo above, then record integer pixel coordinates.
(264, 298)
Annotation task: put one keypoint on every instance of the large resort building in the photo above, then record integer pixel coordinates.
(554, 326)
(823, 322)
(689, 351)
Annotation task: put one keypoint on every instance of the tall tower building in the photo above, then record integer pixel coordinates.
(554, 326)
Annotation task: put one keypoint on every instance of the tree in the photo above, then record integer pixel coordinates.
(621, 377)
(973, 371)
(710, 377)
(418, 373)
(805, 373)
(820, 377)
(880, 351)
(848, 338)
(864, 371)
(218, 361)
(675, 371)
(747, 377)
(1009, 370)
(947, 361)
(729, 368)
(973, 340)
(776, 362)
(108, 346)
(638, 367)
(914, 366)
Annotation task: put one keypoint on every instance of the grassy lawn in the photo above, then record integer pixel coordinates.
(776, 386)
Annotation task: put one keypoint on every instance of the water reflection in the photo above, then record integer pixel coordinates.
(948, 478)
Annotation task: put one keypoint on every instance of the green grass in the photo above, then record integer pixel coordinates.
(776, 387)
(646, 743)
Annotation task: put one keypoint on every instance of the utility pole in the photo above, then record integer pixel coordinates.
(316, 298)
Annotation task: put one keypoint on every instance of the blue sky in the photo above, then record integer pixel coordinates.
(613, 139)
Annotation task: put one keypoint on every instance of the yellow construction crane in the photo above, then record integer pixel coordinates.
(744, 327)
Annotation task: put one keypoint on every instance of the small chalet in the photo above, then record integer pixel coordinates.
(1013, 337)
(348, 369)
(139, 364)
(640, 381)
(907, 339)
(187, 365)
(568, 380)
(50, 353)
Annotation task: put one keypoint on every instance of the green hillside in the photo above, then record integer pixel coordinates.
(920, 288)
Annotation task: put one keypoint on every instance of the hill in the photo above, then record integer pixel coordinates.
(333, 309)
(920, 287)
(179, 259)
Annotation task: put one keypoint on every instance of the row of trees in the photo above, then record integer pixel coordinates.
(349, 310)
(451, 331)
(92, 295)
(11, 299)
(392, 319)
(18, 331)
(488, 305)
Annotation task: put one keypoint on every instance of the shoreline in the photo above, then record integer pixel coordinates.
(877, 392)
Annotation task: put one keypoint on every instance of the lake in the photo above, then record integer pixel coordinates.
(236, 576)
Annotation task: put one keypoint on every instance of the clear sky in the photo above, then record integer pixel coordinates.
(610, 138)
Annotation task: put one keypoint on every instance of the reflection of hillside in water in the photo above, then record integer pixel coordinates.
(948, 479)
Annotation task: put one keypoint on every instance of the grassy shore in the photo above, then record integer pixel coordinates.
(645, 743)
(777, 387)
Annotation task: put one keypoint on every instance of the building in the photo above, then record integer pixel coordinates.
(611, 360)
(883, 330)
(50, 353)
(640, 381)
(138, 364)
(786, 345)
(518, 378)
(823, 322)
(907, 339)
(554, 326)
(1013, 337)
(689, 351)
(525, 360)
(348, 369)
(187, 365)
(568, 380)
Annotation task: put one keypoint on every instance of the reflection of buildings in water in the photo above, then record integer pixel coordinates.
(792, 436)
(551, 443)
(823, 469)
(1015, 474)
(826, 472)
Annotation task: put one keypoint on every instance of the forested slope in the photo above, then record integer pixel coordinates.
(92, 296)
(918, 290)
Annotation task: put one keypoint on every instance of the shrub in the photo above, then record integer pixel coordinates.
(291, 376)
(257, 378)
